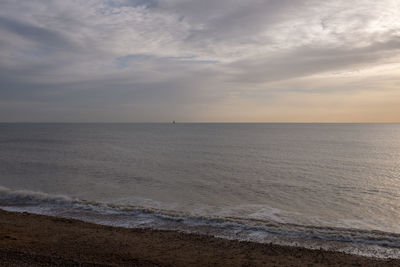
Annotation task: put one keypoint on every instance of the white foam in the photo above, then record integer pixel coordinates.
(265, 225)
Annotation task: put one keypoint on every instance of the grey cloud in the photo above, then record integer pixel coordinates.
(229, 21)
(305, 61)
(44, 37)
(156, 58)
(132, 59)
(132, 3)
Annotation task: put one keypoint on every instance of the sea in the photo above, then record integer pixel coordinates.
(319, 186)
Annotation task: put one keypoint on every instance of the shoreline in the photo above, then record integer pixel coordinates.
(38, 240)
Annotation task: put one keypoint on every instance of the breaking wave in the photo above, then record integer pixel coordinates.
(349, 240)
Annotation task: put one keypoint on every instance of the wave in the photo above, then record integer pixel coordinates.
(350, 240)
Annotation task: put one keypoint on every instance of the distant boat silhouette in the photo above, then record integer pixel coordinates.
(173, 122)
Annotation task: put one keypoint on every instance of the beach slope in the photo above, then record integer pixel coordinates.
(35, 240)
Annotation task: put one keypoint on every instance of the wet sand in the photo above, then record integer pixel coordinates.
(35, 240)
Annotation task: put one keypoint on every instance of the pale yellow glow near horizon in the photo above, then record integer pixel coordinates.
(369, 95)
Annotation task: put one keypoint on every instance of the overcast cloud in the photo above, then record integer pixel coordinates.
(226, 60)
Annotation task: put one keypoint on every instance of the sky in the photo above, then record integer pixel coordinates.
(199, 61)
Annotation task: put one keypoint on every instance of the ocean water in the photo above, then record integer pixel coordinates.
(329, 186)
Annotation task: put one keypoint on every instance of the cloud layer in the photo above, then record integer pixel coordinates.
(228, 60)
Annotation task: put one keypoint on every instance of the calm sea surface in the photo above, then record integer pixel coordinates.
(335, 186)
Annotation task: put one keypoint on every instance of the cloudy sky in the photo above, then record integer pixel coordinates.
(192, 60)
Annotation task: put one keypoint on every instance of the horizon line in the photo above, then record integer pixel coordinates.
(196, 122)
